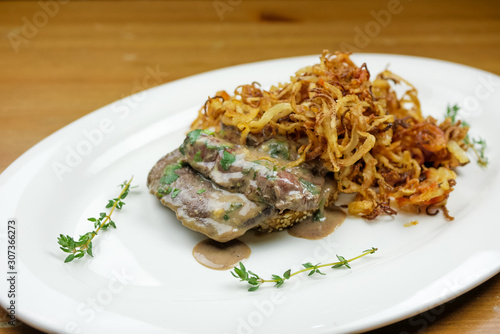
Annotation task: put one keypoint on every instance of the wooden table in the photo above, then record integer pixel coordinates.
(60, 61)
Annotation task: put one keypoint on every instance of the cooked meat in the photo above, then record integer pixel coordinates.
(200, 204)
(205, 207)
(248, 170)
(223, 190)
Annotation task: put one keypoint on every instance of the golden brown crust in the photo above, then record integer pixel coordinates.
(284, 220)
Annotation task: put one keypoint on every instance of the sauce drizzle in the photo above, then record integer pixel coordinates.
(220, 256)
(315, 230)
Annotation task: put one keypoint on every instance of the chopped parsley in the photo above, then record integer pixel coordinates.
(216, 147)
(163, 192)
(197, 157)
(195, 134)
(233, 207)
(279, 149)
(265, 163)
(169, 174)
(192, 137)
(227, 160)
(319, 215)
(175, 192)
(201, 191)
(311, 187)
(271, 177)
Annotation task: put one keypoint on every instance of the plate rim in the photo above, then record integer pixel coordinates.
(45, 142)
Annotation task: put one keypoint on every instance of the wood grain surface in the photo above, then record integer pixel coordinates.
(62, 60)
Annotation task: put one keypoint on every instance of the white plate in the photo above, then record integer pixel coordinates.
(143, 277)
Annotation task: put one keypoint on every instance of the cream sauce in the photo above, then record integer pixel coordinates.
(220, 256)
(314, 230)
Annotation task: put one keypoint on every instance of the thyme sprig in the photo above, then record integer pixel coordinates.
(255, 281)
(478, 146)
(452, 112)
(77, 249)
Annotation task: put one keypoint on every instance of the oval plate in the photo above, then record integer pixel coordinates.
(143, 277)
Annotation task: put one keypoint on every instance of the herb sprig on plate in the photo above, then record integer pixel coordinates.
(78, 249)
(255, 281)
(478, 146)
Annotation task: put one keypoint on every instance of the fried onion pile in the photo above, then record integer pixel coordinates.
(378, 145)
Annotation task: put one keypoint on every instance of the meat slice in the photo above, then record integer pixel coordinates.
(223, 189)
(251, 172)
(203, 206)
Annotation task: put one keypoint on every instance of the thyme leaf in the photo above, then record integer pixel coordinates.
(478, 146)
(452, 112)
(255, 281)
(78, 249)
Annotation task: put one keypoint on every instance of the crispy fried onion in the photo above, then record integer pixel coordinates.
(378, 145)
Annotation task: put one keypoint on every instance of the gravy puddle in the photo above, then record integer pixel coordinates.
(220, 256)
(315, 230)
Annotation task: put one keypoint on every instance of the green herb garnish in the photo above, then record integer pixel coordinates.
(169, 174)
(477, 145)
(255, 281)
(77, 249)
(175, 192)
(217, 147)
(192, 137)
(195, 134)
(311, 187)
(227, 160)
(452, 112)
(169, 190)
(279, 150)
(201, 191)
(197, 157)
(163, 191)
(271, 177)
(233, 207)
(319, 215)
(313, 268)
